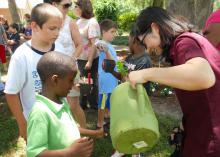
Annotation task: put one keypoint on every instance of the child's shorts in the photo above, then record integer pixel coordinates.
(104, 101)
(2, 54)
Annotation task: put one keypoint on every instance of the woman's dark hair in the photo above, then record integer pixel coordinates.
(51, 1)
(134, 34)
(86, 7)
(169, 26)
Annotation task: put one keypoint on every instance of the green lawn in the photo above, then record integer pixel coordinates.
(103, 147)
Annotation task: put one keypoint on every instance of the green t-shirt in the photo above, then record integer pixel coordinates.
(50, 126)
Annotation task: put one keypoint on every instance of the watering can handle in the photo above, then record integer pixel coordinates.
(141, 98)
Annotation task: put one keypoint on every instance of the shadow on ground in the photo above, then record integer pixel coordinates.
(166, 108)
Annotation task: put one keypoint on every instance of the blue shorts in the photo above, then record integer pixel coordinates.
(104, 101)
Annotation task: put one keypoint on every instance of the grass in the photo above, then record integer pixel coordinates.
(9, 145)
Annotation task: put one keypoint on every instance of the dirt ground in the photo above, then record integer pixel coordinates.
(166, 106)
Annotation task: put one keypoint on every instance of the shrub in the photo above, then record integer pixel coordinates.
(106, 9)
(71, 14)
(126, 20)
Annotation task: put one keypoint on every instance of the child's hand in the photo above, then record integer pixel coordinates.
(82, 147)
(102, 46)
(100, 133)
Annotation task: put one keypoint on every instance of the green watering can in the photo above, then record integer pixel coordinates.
(134, 126)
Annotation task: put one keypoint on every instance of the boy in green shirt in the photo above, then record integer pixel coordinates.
(51, 129)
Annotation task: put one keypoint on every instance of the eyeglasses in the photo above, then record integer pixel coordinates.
(67, 5)
(142, 40)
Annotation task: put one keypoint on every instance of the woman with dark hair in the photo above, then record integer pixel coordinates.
(195, 74)
(88, 60)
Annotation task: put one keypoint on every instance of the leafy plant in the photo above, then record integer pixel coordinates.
(71, 14)
(120, 40)
(106, 9)
(126, 20)
(122, 68)
(165, 91)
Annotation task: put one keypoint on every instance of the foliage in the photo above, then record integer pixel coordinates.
(126, 20)
(122, 68)
(71, 14)
(120, 40)
(216, 4)
(106, 9)
(8, 128)
(161, 90)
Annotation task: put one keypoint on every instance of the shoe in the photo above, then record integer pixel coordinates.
(117, 154)
(136, 155)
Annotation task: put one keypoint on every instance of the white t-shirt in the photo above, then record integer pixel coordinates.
(88, 28)
(65, 38)
(23, 77)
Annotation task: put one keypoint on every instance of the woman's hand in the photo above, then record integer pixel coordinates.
(136, 77)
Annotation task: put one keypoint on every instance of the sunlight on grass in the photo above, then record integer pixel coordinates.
(10, 146)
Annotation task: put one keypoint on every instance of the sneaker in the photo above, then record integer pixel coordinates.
(136, 155)
(117, 154)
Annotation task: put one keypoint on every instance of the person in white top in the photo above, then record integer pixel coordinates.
(88, 60)
(23, 80)
(71, 40)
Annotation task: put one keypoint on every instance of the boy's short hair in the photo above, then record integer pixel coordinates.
(55, 63)
(107, 24)
(42, 12)
(15, 26)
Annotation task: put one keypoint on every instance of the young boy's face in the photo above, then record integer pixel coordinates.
(109, 35)
(12, 30)
(65, 84)
(49, 31)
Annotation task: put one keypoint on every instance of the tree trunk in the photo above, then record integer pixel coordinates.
(203, 9)
(13, 10)
(196, 11)
(158, 3)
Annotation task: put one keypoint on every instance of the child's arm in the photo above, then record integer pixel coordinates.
(14, 104)
(92, 133)
(11, 42)
(117, 75)
(82, 147)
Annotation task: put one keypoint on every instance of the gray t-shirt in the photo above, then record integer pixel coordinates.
(2, 30)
